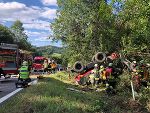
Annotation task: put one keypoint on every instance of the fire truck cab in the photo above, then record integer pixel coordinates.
(38, 64)
(8, 59)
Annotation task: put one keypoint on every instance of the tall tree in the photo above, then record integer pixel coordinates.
(135, 16)
(18, 25)
(89, 26)
(84, 26)
(6, 36)
(20, 36)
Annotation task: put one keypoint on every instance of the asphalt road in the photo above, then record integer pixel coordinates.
(8, 85)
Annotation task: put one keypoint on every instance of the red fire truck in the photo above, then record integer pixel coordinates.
(9, 59)
(39, 62)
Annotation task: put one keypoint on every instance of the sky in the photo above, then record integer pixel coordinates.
(36, 16)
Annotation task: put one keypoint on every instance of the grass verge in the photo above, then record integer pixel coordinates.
(51, 95)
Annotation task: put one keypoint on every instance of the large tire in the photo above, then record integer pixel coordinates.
(78, 67)
(109, 60)
(93, 59)
(100, 57)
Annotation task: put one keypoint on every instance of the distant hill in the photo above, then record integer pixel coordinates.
(49, 50)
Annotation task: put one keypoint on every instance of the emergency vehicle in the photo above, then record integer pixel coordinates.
(38, 63)
(9, 59)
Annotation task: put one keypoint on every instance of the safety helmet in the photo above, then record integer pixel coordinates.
(25, 63)
(110, 64)
(101, 66)
(96, 65)
(136, 73)
(134, 62)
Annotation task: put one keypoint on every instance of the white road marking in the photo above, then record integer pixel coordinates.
(33, 82)
(10, 95)
(14, 92)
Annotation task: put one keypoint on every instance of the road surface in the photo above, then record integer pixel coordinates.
(8, 85)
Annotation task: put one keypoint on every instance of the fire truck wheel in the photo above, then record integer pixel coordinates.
(100, 57)
(93, 59)
(78, 67)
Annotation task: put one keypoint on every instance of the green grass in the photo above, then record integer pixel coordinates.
(51, 95)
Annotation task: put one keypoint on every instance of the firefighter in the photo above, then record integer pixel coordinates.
(143, 71)
(134, 66)
(53, 66)
(96, 74)
(49, 68)
(111, 82)
(110, 75)
(91, 78)
(24, 72)
(92, 75)
(109, 71)
(142, 68)
(45, 65)
(103, 75)
(69, 71)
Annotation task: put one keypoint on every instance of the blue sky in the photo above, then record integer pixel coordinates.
(36, 16)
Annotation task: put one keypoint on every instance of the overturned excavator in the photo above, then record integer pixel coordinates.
(101, 59)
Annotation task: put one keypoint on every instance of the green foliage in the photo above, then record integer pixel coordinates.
(6, 35)
(135, 18)
(57, 57)
(49, 50)
(20, 36)
(86, 27)
(18, 25)
(51, 95)
(16, 35)
(98, 105)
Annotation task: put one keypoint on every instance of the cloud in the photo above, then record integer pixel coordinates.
(49, 13)
(36, 26)
(12, 11)
(43, 39)
(2, 22)
(12, 5)
(49, 2)
(35, 34)
(36, 20)
(38, 36)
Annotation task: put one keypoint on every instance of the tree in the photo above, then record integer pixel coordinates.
(18, 25)
(6, 36)
(86, 27)
(20, 36)
(135, 17)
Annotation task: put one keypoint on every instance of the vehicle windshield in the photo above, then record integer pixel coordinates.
(39, 61)
(10, 64)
